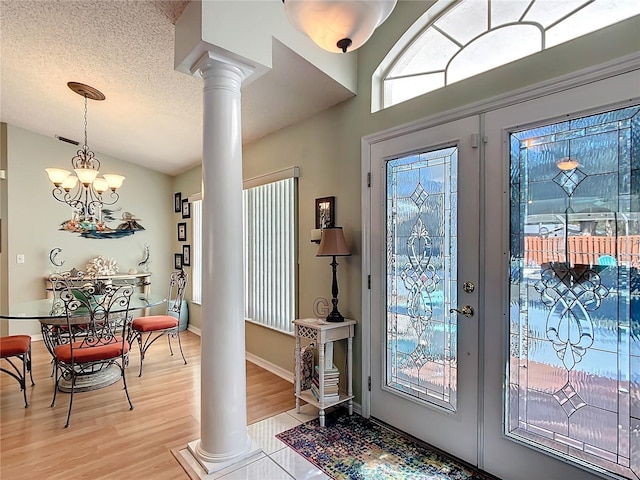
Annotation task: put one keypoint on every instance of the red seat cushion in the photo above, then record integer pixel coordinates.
(154, 322)
(14, 345)
(91, 354)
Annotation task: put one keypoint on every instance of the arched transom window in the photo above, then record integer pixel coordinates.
(473, 36)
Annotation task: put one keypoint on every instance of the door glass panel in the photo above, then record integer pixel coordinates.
(421, 239)
(574, 366)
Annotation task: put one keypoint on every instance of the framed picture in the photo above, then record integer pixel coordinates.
(186, 208)
(325, 212)
(186, 255)
(182, 232)
(177, 261)
(177, 200)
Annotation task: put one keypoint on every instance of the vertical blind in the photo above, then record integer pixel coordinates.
(269, 214)
(196, 257)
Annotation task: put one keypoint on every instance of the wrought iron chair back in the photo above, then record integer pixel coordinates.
(56, 333)
(177, 287)
(95, 335)
(146, 330)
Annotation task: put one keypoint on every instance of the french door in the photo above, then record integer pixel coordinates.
(560, 306)
(520, 387)
(424, 228)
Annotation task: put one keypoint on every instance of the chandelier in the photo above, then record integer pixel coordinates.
(85, 192)
(338, 25)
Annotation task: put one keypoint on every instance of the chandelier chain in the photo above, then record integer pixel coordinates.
(85, 120)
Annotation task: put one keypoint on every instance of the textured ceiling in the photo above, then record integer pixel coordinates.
(152, 114)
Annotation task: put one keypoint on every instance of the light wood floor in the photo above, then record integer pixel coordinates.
(106, 440)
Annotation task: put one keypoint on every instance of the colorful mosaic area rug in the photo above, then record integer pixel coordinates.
(355, 448)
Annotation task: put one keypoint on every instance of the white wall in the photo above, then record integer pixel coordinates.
(34, 217)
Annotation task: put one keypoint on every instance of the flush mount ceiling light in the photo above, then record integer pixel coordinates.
(338, 25)
(567, 163)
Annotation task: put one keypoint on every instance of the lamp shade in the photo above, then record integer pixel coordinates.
(70, 182)
(338, 25)
(57, 175)
(100, 184)
(86, 175)
(114, 181)
(332, 243)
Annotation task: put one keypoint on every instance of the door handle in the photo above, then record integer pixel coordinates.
(467, 311)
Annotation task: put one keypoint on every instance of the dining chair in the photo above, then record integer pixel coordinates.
(54, 334)
(146, 330)
(17, 347)
(102, 342)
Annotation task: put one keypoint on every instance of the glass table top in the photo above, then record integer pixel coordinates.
(44, 308)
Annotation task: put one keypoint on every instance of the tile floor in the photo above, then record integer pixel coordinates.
(276, 461)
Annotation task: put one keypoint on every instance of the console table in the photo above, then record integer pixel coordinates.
(322, 332)
(141, 280)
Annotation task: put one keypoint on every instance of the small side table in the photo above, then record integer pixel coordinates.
(321, 332)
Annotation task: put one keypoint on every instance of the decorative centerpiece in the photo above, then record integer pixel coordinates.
(101, 266)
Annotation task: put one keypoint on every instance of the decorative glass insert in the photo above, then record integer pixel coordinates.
(421, 243)
(574, 351)
(474, 36)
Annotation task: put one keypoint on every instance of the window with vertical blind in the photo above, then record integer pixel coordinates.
(270, 260)
(269, 207)
(196, 254)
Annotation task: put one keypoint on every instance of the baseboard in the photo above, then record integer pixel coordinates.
(194, 330)
(261, 362)
(270, 367)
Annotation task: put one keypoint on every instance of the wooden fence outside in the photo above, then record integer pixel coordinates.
(583, 249)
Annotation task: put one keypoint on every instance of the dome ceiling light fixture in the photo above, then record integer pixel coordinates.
(338, 25)
(567, 163)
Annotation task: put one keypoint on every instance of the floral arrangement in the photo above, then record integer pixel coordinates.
(102, 266)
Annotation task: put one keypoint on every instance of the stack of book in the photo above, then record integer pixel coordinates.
(331, 381)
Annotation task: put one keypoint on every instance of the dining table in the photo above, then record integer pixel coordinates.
(50, 312)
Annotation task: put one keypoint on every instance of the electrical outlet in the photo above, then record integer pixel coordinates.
(20, 258)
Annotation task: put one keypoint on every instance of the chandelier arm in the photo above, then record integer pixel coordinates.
(61, 195)
(113, 198)
(75, 198)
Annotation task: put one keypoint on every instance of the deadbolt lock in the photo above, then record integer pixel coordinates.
(468, 287)
(467, 311)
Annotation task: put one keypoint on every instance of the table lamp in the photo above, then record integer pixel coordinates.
(333, 244)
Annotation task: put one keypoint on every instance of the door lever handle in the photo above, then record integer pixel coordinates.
(467, 311)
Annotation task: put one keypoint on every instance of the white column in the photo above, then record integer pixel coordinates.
(224, 439)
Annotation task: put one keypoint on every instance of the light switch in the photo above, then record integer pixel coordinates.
(20, 258)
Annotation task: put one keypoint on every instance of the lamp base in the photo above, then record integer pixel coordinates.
(335, 316)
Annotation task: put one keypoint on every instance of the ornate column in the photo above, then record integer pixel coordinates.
(224, 439)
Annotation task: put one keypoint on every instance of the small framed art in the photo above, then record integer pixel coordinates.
(186, 255)
(177, 201)
(186, 208)
(182, 232)
(177, 261)
(325, 212)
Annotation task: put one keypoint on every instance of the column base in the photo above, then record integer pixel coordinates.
(217, 465)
